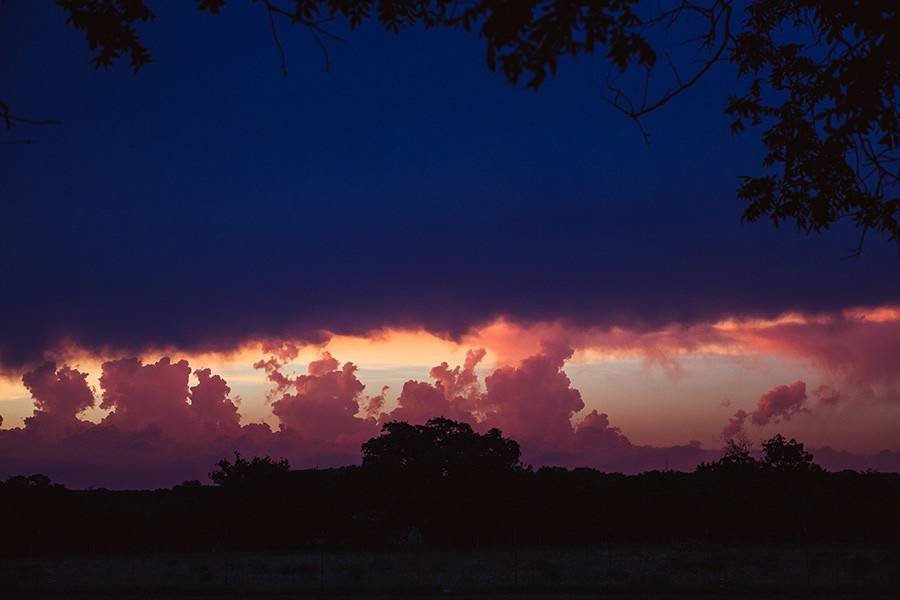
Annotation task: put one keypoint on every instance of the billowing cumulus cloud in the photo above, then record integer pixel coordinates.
(595, 431)
(211, 404)
(375, 404)
(599, 444)
(779, 404)
(535, 403)
(459, 380)
(59, 394)
(456, 393)
(325, 402)
(141, 396)
(160, 429)
(419, 401)
(535, 400)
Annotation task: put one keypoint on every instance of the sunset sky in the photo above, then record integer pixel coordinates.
(396, 211)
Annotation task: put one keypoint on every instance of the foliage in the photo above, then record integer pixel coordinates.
(257, 472)
(779, 455)
(736, 458)
(441, 447)
(830, 107)
(259, 504)
(786, 456)
(37, 481)
(110, 28)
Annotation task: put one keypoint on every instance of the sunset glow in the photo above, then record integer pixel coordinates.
(224, 246)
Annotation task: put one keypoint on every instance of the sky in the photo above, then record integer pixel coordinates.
(396, 210)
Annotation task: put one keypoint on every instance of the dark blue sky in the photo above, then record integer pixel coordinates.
(209, 199)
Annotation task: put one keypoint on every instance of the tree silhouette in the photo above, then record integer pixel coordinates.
(30, 482)
(830, 108)
(443, 478)
(441, 448)
(782, 455)
(821, 77)
(779, 455)
(242, 473)
(736, 459)
(461, 490)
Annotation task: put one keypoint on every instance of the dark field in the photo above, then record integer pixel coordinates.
(638, 571)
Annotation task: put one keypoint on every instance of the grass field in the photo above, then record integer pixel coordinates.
(619, 571)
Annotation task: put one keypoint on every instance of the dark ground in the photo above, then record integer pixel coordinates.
(516, 596)
(618, 571)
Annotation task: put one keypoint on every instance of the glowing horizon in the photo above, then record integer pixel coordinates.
(666, 386)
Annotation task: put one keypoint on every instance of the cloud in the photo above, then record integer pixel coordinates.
(325, 402)
(456, 393)
(153, 395)
(210, 402)
(535, 400)
(375, 404)
(595, 432)
(862, 349)
(827, 395)
(460, 384)
(735, 427)
(781, 403)
(419, 401)
(161, 430)
(857, 348)
(601, 279)
(840, 460)
(59, 394)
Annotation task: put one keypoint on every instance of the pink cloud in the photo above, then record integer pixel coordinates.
(512, 342)
(535, 400)
(735, 427)
(827, 395)
(325, 402)
(596, 433)
(780, 404)
(210, 402)
(375, 404)
(455, 394)
(460, 384)
(160, 430)
(419, 401)
(140, 396)
(864, 351)
(58, 394)
(861, 347)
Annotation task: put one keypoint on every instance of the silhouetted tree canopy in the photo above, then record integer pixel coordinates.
(779, 455)
(785, 456)
(736, 459)
(460, 489)
(819, 78)
(243, 473)
(441, 447)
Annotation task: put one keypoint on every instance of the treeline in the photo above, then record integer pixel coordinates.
(444, 485)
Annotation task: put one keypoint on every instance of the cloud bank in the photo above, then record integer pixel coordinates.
(160, 430)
